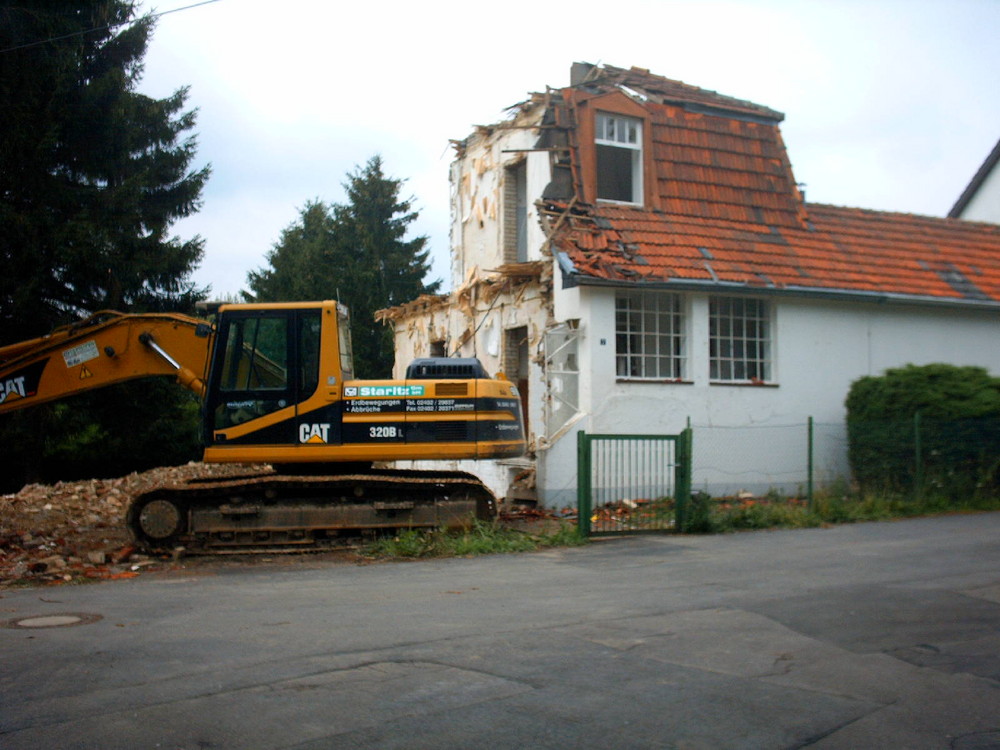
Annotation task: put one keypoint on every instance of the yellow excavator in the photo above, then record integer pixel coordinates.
(277, 386)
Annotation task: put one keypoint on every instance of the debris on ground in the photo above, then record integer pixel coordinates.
(535, 520)
(75, 531)
(634, 514)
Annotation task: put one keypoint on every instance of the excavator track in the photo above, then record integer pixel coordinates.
(271, 512)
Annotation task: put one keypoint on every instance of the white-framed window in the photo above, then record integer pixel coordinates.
(618, 142)
(739, 348)
(650, 336)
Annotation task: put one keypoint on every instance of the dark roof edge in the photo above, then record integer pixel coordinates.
(574, 278)
(732, 114)
(977, 180)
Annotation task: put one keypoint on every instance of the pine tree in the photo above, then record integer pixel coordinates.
(298, 267)
(92, 176)
(92, 173)
(356, 252)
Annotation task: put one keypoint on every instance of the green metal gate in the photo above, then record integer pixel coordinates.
(632, 483)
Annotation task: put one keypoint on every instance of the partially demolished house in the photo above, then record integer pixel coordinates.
(633, 251)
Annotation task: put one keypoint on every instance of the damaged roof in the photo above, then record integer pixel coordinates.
(723, 212)
(666, 91)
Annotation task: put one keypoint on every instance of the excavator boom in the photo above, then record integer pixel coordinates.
(106, 348)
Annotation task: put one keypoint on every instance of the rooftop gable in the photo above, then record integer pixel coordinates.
(705, 155)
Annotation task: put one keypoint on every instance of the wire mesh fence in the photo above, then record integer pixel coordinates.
(911, 457)
(756, 460)
(632, 483)
(927, 456)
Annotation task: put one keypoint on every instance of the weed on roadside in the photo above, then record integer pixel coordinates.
(481, 538)
(719, 515)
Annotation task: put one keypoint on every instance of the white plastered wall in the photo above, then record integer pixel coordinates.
(754, 437)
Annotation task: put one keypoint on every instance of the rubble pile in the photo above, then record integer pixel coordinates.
(74, 531)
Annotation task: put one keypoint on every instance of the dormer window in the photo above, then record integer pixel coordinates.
(618, 141)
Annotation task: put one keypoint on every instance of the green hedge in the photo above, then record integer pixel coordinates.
(927, 429)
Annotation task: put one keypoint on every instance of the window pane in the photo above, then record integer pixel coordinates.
(614, 174)
(309, 329)
(649, 341)
(254, 371)
(739, 344)
(256, 352)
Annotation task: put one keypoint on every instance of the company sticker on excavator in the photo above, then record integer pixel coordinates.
(22, 383)
(373, 406)
(441, 404)
(314, 433)
(383, 391)
(80, 354)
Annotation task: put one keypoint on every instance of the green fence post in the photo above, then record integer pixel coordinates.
(682, 479)
(918, 460)
(583, 489)
(809, 462)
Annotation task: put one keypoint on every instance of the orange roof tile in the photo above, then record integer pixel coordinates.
(729, 213)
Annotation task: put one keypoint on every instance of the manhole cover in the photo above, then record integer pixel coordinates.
(62, 620)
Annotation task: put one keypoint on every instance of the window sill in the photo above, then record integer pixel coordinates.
(744, 383)
(613, 202)
(651, 381)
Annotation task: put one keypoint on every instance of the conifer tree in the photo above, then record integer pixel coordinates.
(356, 252)
(298, 263)
(92, 172)
(92, 176)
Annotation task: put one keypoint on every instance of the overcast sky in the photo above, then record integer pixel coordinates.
(889, 104)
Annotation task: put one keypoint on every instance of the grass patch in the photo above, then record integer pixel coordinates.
(712, 516)
(481, 538)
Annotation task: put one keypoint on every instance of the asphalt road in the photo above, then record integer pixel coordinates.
(882, 635)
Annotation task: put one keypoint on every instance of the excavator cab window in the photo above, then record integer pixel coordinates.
(256, 355)
(265, 361)
(308, 354)
(344, 336)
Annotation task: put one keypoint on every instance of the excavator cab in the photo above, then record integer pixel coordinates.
(280, 390)
(264, 362)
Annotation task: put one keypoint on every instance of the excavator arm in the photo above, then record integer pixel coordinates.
(108, 347)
